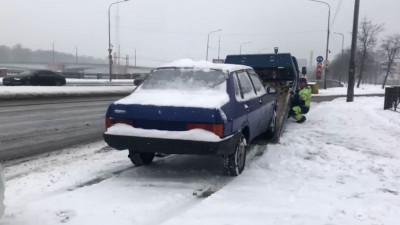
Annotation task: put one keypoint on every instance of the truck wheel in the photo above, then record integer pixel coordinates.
(234, 163)
(139, 159)
(272, 127)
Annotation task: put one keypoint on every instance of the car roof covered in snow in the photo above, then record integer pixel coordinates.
(188, 63)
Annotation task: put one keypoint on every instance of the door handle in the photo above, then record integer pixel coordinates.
(261, 101)
(246, 106)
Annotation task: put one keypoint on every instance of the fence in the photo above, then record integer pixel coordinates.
(392, 98)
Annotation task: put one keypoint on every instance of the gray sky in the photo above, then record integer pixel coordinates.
(165, 30)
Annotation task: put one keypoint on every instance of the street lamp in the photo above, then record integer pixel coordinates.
(341, 34)
(327, 40)
(243, 43)
(109, 37)
(208, 41)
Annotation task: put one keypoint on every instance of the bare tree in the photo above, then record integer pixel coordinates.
(391, 48)
(367, 39)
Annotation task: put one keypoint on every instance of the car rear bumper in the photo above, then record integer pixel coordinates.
(171, 146)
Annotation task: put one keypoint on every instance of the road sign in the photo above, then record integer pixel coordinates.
(320, 59)
(326, 63)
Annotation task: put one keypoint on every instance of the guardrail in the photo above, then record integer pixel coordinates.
(99, 75)
(392, 98)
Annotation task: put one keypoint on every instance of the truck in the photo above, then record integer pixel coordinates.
(279, 71)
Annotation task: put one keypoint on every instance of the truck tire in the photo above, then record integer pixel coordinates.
(234, 163)
(139, 159)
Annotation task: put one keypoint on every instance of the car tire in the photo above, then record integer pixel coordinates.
(58, 83)
(271, 127)
(234, 164)
(139, 159)
(28, 83)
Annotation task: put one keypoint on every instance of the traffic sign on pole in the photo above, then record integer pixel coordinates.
(320, 59)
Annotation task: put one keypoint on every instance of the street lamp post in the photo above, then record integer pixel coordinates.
(243, 43)
(341, 34)
(208, 41)
(327, 39)
(109, 37)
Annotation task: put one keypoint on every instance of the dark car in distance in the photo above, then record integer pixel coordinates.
(189, 107)
(35, 77)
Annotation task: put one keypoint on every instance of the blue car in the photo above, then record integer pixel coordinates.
(190, 107)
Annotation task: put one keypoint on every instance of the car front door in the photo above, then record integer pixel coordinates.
(266, 101)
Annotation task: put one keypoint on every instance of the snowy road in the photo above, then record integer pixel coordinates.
(34, 126)
(340, 167)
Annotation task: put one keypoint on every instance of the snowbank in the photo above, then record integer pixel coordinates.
(342, 166)
(14, 92)
(363, 90)
(2, 189)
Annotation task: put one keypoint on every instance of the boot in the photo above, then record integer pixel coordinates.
(302, 120)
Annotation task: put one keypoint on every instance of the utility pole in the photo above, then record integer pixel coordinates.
(351, 80)
(135, 57)
(76, 54)
(311, 57)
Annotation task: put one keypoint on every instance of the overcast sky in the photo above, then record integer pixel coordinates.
(165, 30)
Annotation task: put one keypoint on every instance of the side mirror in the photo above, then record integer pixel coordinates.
(138, 81)
(271, 90)
(304, 70)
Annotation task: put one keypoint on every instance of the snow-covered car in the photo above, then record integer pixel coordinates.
(35, 77)
(2, 189)
(190, 107)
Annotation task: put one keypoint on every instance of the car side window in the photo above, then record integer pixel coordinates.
(257, 83)
(237, 89)
(246, 85)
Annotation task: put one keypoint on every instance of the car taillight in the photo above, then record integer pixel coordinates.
(112, 121)
(217, 129)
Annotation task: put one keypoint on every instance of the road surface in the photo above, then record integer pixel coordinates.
(34, 126)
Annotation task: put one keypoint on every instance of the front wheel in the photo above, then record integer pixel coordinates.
(234, 163)
(272, 126)
(139, 159)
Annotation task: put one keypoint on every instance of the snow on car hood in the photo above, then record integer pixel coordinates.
(190, 135)
(211, 99)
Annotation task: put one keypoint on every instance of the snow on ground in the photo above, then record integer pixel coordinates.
(342, 166)
(363, 90)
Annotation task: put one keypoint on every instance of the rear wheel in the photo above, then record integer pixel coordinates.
(27, 82)
(58, 83)
(234, 163)
(139, 159)
(272, 127)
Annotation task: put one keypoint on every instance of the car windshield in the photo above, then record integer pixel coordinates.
(184, 78)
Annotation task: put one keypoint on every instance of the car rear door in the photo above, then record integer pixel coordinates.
(250, 102)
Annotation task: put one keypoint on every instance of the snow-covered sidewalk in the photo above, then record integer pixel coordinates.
(366, 89)
(342, 166)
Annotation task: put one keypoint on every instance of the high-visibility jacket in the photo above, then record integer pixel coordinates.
(305, 96)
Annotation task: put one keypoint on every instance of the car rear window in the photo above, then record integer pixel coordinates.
(186, 79)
